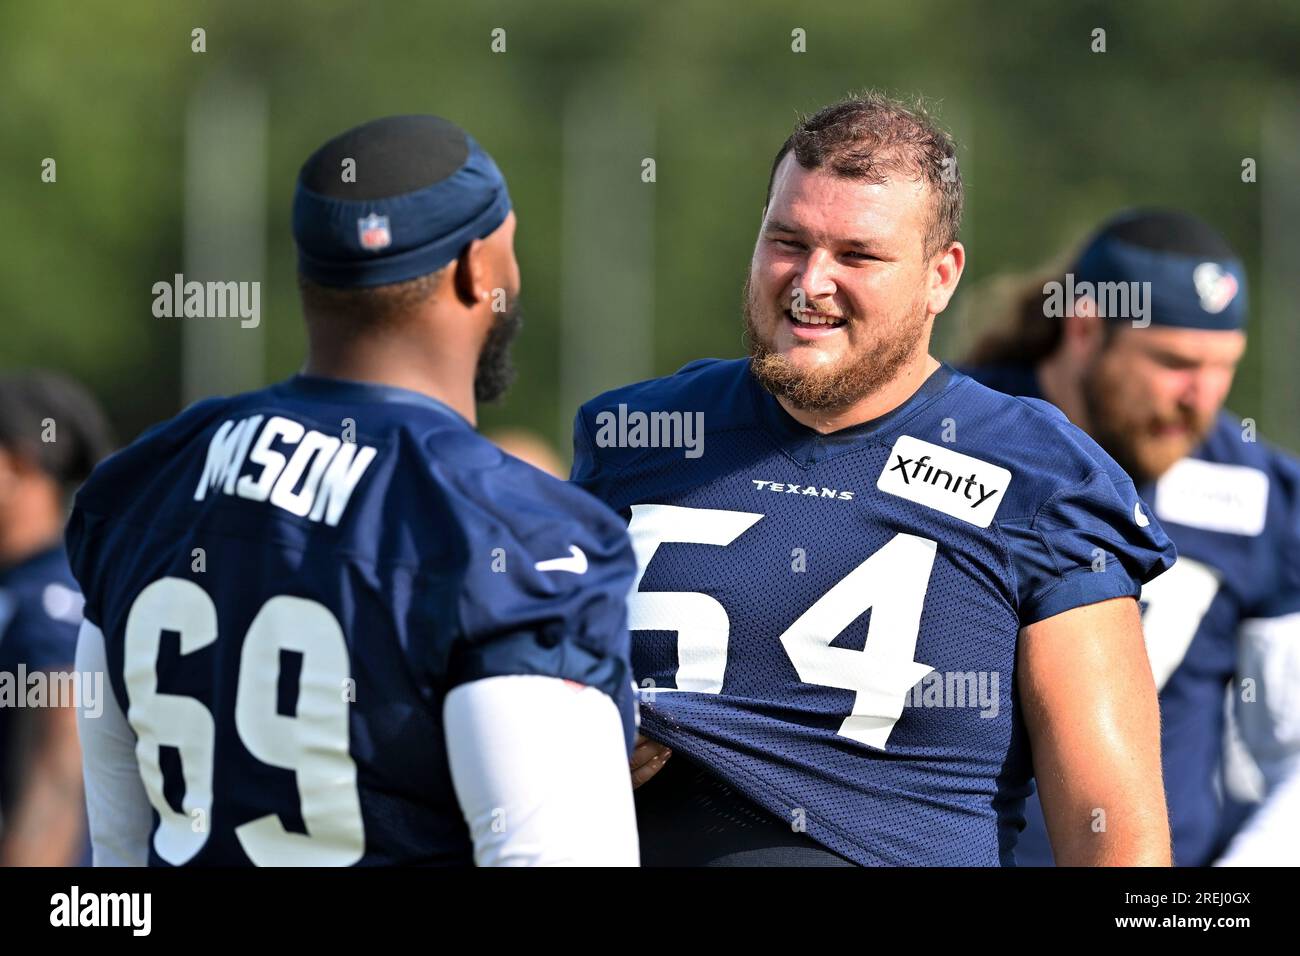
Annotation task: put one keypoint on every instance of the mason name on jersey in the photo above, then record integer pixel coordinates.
(315, 481)
(345, 589)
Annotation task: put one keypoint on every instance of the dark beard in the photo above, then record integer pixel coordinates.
(495, 373)
(838, 388)
(1113, 442)
(1105, 427)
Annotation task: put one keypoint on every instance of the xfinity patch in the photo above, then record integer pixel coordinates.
(945, 480)
(1204, 494)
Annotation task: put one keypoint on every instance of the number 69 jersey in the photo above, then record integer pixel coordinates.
(828, 623)
(289, 583)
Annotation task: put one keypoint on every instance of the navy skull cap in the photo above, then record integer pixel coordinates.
(1197, 280)
(392, 200)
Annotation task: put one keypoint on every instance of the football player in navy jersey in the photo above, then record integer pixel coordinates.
(340, 626)
(866, 584)
(1151, 392)
(52, 432)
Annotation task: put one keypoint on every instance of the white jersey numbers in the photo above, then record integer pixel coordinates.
(313, 743)
(892, 582)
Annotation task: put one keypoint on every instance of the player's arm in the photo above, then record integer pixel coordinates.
(539, 767)
(116, 803)
(540, 716)
(1089, 703)
(45, 828)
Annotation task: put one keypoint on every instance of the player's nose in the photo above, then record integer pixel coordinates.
(816, 277)
(1195, 397)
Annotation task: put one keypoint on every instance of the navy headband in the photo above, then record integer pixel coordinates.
(1190, 289)
(361, 242)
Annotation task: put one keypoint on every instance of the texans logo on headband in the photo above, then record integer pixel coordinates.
(1191, 277)
(1214, 287)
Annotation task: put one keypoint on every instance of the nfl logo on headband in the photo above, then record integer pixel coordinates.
(373, 230)
(430, 191)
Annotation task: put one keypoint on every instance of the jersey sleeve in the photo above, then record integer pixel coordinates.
(545, 586)
(585, 465)
(589, 472)
(1090, 541)
(80, 543)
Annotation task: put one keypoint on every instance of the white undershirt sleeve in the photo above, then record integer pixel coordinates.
(540, 769)
(1269, 724)
(116, 802)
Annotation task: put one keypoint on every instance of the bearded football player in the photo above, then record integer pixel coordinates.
(1227, 614)
(336, 621)
(877, 584)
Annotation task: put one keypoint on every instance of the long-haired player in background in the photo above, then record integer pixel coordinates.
(1227, 614)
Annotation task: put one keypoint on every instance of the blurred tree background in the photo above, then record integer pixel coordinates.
(1054, 136)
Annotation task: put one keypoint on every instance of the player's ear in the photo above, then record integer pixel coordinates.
(1083, 331)
(471, 274)
(945, 272)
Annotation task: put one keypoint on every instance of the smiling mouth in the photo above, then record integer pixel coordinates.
(810, 319)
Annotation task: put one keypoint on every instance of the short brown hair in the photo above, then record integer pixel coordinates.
(370, 308)
(870, 137)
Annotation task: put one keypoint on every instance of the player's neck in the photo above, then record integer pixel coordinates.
(1063, 390)
(450, 382)
(880, 402)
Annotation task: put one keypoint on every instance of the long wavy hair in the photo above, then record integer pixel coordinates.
(1009, 322)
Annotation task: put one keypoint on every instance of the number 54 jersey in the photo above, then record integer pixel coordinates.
(829, 623)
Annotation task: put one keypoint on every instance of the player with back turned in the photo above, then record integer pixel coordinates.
(880, 582)
(339, 626)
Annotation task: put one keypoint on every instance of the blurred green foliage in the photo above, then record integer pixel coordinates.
(1054, 137)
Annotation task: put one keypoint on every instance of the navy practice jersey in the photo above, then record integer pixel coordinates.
(829, 622)
(1233, 509)
(284, 613)
(40, 611)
